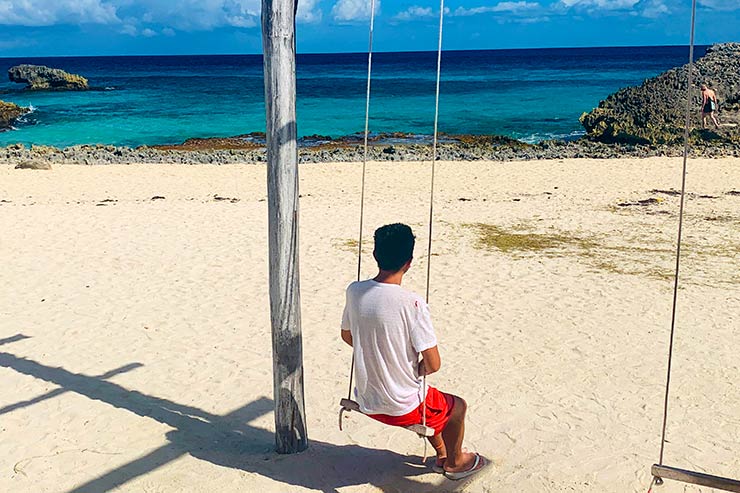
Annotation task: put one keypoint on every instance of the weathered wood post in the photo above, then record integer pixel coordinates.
(278, 42)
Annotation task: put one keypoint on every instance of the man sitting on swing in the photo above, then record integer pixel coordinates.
(388, 328)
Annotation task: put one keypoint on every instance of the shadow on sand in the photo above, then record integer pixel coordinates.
(226, 441)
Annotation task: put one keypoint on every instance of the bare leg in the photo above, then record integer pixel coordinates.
(453, 435)
(439, 447)
(714, 119)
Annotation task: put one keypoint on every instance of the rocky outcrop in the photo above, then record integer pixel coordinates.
(40, 78)
(9, 112)
(654, 112)
(489, 148)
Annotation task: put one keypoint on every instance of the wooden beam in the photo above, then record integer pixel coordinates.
(692, 477)
(278, 42)
(419, 429)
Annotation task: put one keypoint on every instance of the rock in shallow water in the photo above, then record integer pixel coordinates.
(41, 78)
(9, 112)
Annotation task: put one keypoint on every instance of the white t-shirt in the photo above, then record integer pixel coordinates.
(390, 326)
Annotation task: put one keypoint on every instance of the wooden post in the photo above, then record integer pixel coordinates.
(278, 42)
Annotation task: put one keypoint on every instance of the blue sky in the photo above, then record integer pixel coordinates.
(120, 27)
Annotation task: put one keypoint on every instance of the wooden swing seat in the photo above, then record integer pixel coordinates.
(350, 405)
(698, 478)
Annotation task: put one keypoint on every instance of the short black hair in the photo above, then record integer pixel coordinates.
(394, 246)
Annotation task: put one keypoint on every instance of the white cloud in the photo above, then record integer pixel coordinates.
(415, 12)
(532, 20)
(353, 10)
(511, 7)
(240, 21)
(720, 4)
(137, 15)
(51, 12)
(600, 4)
(129, 29)
(194, 15)
(653, 9)
(308, 13)
(643, 8)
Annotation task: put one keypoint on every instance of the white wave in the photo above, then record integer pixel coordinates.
(31, 108)
(536, 138)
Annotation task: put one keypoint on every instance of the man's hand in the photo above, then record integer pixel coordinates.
(430, 362)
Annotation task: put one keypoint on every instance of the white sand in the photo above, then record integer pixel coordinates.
(145, 362)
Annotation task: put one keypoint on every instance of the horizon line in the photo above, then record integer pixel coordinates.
(362, 52)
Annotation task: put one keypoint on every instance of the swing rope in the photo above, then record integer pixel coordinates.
(660, 471)
(431, 202)
(680, 229)
(364, 167)
(431, 199)
(434, 145)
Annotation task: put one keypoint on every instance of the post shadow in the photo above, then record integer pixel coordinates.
(15, 338)
(229, 441)
(60, 391)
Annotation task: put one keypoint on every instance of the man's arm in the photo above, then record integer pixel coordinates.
(347, 336)
(430, 362)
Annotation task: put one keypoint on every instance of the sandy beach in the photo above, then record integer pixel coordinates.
(135, 350)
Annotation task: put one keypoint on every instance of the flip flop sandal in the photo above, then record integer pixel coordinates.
(479, 464)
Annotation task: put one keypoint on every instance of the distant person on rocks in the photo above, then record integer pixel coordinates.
(390, 328)
(708, 106)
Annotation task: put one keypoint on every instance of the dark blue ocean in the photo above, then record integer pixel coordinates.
(530, 94)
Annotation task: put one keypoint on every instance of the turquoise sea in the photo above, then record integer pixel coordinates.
(530, 94)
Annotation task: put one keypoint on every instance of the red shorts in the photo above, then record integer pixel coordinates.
(439, 409)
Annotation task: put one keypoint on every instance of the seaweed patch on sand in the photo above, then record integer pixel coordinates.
(493, 237)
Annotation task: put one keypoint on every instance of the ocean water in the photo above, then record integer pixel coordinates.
(530, 94)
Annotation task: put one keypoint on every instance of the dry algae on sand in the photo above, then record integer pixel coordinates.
(491, 236)
(518, 240)
(347, 244)
(653, 261)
